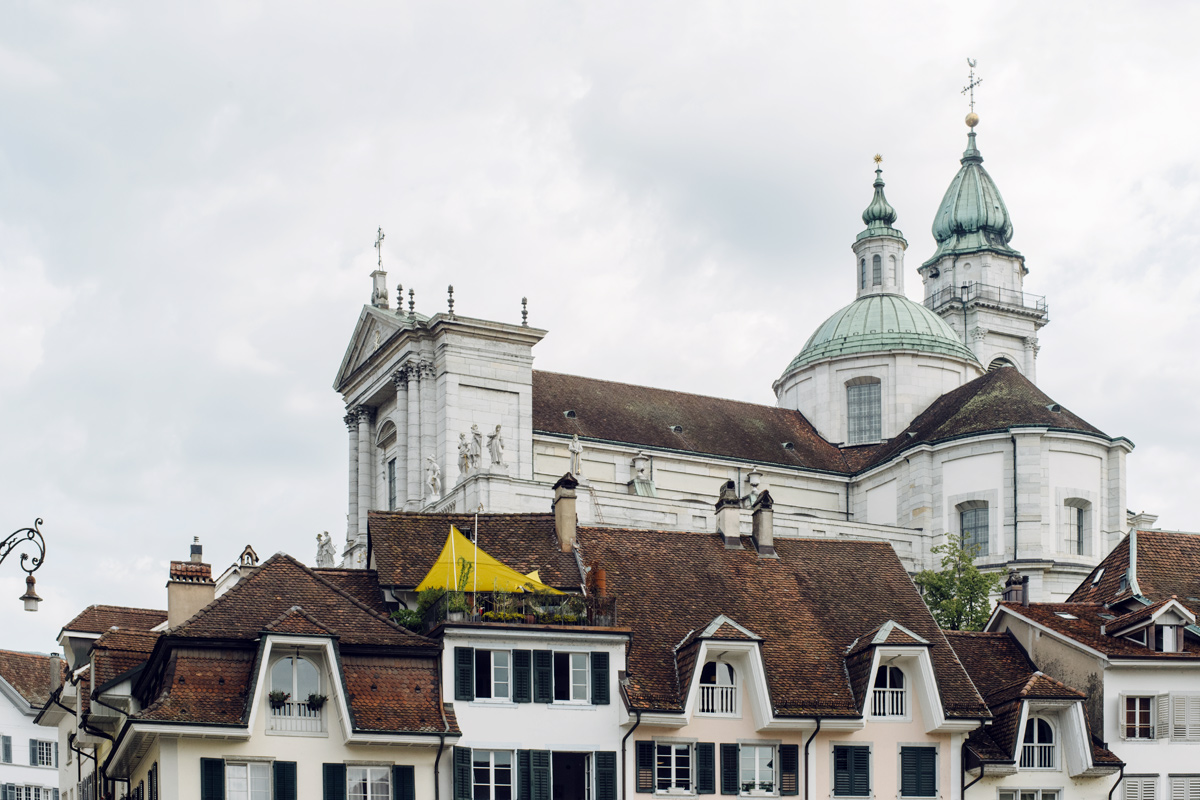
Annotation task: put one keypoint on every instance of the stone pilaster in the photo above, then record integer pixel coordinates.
(365, 473)
(413, 436)
(1031, 351)
(400, 420)
(351, 420)
(428, 422)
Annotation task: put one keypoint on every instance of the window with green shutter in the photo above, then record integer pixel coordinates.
(644, 780)
(334, 781)
(539, 774)
(851, 771)
(212, 779)
(706, 768)
(918, 771)
(606, 775)
(285, 780)
(404, 783)
(729, 769)
(600, 679)
(524, 790)
(789, 770)
(543, 676)
(522, 668)
(462, 773)
(464, 673)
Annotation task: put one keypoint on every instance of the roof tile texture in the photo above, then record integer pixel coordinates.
(1168, 563)
(98, 619)
(1085, 629)
(29, 674)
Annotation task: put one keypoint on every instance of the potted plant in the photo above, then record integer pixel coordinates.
(315, 701)
(277, 698)
(456, 606)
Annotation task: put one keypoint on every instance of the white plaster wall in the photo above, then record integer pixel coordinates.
(20, 726)
(1158, 756)
(881, 504)
(1076, 474)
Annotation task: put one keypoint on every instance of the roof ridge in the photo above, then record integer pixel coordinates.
(355, 601)
(671, 391)
(298, 610)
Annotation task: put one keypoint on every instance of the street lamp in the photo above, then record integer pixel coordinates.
(30, 564)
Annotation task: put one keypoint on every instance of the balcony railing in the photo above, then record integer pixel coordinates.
(1037, 756)
(887, 702)
(296, 718)
(718, 699)
(982, 291)
(522, 609)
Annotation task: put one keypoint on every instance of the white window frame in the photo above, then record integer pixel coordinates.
(733, 688)
(258, 786)
(493, 683)
(1190, 716)
(572, 672)
(491, 771)
(674, 747)
(368, 772)
(1189, 789)
(970, 506)
(1055, 743)
(904, 694)
(1038, 792)
(1124, 712)
(773, 759)
(1140, 787)
(45, 753)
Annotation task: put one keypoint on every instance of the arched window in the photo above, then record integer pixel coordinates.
(863, 411)
(973, 526)
(862, 271)
(718, 689)
(887, 695)
(892, 270)
(1075, 527)
(295, 679)
(1000, 362)
(1037, 748)
(876, 270)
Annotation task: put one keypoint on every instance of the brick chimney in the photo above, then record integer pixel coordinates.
(565, 518)
(190, 587)
(1016, 588)
(55, 671)
(763, 525)
(729, 515)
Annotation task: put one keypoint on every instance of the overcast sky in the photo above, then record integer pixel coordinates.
(189, 196)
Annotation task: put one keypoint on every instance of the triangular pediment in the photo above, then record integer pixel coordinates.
(375, 327)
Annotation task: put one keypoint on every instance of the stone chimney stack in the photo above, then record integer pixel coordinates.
(729, 515)
(55, 672)
(190, 587)
(763, 525)
(1016, 588)
(566, 519)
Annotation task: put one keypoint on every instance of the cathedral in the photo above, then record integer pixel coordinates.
(897, 421)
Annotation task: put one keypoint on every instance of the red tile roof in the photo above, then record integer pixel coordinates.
(204, 686)
(394, 694)
(1084, 627)
(808, 605)
(406, 546)
(98, 619)
(117, 652)
(29, 674)
(1168, 563)
(191, 572)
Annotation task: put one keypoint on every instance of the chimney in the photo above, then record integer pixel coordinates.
(55, 672)
(190, 587)
(1016, 588)
(565, 518)
(763, 525)
(597, 580)
(729, 515)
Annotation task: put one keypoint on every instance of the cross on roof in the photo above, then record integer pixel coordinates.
(379, 247)
(970, 87)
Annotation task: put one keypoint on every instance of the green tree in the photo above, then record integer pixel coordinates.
(958, 593)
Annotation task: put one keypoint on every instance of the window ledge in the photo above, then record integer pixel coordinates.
(577, 705)
(310, 734)
(486, 703)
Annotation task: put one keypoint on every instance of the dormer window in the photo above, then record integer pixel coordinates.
(296, 698)
(1037, 748)
(1166, 638)
(718, 690)
(887, 695)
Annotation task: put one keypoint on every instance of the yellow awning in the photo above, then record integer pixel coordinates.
(483, 573)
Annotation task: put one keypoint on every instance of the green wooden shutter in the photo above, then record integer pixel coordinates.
(729, 769)
(33, 753)
(334, 780)
(644, 779)
(524, 790)
(521, 675)
(6, 749)
(404, 783)
(600, 679)
(285, 780)
(543, 676)
(212, 779)
(56, 755)
(789, 770)
(464, 673)
(606, 775)
(539, 774)
(860, 781)
(462, 774)
(706, 768)
(918, 771)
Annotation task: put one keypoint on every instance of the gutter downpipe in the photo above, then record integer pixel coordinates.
(982, 769)
(624, 739)
(816, 730)
(437, 783)
(1014, 444)
(1120, 777)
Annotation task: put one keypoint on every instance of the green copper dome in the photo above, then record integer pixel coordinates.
(879, 216)
(881, 322)
(972, 216)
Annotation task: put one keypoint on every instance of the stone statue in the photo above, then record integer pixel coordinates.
(576, 456)
(434, 479)
(496, 447)
(475, 450)
(464, 455)
(325, 552)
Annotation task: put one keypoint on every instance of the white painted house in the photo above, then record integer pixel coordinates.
(29, 755)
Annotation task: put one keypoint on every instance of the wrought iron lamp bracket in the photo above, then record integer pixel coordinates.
(26, 536)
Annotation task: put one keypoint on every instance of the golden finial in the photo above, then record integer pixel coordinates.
(878, 158)
(972, 118)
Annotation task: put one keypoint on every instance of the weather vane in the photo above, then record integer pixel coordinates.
(379, 247)
(970, 87)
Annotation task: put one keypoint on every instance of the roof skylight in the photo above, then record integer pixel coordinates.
(1065, 615)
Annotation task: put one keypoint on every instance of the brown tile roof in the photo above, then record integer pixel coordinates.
(1143, 614)
(361, 584)
(191, 572)
(204, 686)
(28, 674)
(727, 631)
(394, 694)
(1085, 629)
(280, 583)
(993, 660)
(119, 651)
(642, 416)
(809, 605)
(297, 621)
(1168, 563)
(406, 546)
(98, 619)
